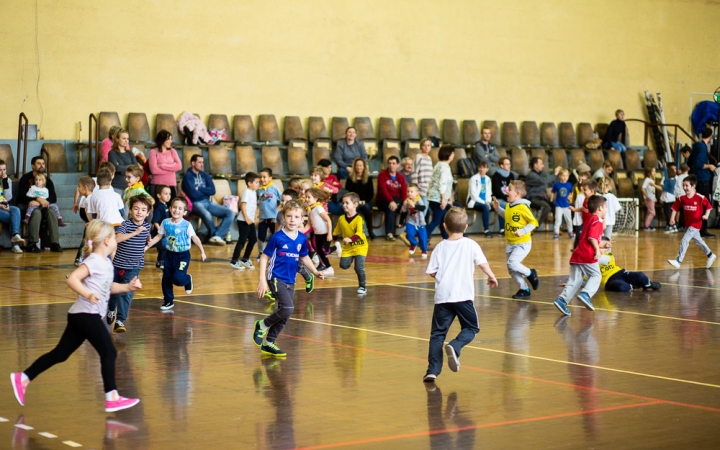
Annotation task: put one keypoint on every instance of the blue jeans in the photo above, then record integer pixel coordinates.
(207, 210)
(335, 208)
(342, 173)
(122, 301)
(421, 232)
(12, 216)
(443, 316)
(485, 210)
(438, 215)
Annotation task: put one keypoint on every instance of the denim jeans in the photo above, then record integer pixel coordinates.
(12, 216)
(122, 301)
(335, 208)
(207, 210)
(485, 210)
(342, 173)
(438, 215)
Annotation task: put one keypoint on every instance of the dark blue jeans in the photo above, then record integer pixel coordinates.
(485, 210)
(122, 301)
(624, 281)
(342, 173)
(438, 215)
(443, 316)
(175, 272)
(389, 215)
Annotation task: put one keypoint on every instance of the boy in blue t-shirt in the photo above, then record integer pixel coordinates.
(160, 213)
(176, 234)
(279, 267)
(561, 191)
(269, 198)
(129, 260)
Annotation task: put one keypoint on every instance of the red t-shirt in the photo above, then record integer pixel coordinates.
(585, 212)
(693, 209)
(585, 253)
(388, 189)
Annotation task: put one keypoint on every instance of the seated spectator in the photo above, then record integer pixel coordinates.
(107, 144)
(616, 134)
(392, 193)
(198, 187)
(407, 170)
(38, 190)
(606, 170)
(359, 182)
(537, 183)
(440, 190)
(9, 214)
(500, 181)
(164, 163)
(121, 157)
(486, 152)
(333, 186)
(42, 218)
(479, 195)
(347, 150)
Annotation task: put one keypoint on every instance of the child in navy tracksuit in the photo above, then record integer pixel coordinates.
(161, 212)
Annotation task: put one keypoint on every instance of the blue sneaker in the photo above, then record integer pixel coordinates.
(585, 299)
(269, 348)
(259, 334)
(562, 306)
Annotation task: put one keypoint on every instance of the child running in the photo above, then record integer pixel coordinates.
(176, 234)
(285, 249)
(452, 264)
(584, 260)
(613, 205)
(246, 223)
(415, 225)
(696, 208)
(321, 225)
(129, 260)
(350, 230)
(560, 196)
(92, 281)
(519, 223)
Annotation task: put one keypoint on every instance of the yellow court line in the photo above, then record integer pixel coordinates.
(385, 333)
(690, 286)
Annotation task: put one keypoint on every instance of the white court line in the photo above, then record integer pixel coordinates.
(72, 444)
(2, 419)
(24, 427)
(47, 435)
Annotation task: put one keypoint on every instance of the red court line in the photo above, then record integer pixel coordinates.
(495, 372)
(476, 427)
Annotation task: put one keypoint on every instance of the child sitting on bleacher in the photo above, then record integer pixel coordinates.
(38, 190)
(480, 195)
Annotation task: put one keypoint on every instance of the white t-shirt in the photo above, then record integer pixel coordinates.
(106, 203)
(83, 201)
(679, 191)
(577, 217)
(649, 187)
(249, 197)
(453, 263)
(99, 282)
(613, 206)
(318, 223)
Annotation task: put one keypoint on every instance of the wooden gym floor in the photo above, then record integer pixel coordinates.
(642, 371)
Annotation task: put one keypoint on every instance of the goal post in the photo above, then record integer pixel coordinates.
(627, 219)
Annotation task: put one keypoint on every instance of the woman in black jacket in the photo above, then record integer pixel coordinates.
(358, 181)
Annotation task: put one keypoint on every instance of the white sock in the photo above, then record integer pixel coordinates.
(263, 326)
(112, 395)
(24, 378)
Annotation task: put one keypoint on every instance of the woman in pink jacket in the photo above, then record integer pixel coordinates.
(164, 162)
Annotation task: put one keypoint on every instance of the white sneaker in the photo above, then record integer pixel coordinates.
(316, 260)
(247, 264)
(17, 239)
(329, 271)
(237, 265)
(362, 290)
(675, 264)
(217, 240)
(16, 249)
(710, 261)
(424, 255)
(338, 249)
(189, 287)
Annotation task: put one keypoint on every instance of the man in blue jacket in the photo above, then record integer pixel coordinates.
(198, 187)
(699, 163)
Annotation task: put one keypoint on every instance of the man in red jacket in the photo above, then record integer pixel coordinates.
(392, 193)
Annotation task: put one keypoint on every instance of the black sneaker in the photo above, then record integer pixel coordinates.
(533, 279)
(488, 234)
(270, 349)
(189, 286)
(708, 236)
(32, 248)
(119, 327)
(167, 305)
(654, 286)
(522, 293)
(111, 316)
(56, 248)
(321, 267)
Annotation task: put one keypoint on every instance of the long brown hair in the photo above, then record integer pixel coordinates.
(116, 139)
(365, 174)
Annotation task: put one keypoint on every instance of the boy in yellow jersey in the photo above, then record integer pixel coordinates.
(519, 223)
(349, 228)
(617, 279)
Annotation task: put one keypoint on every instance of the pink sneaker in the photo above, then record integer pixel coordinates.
(120, 404)
(18, 388)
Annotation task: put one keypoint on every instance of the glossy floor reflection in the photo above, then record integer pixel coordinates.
(639, 372)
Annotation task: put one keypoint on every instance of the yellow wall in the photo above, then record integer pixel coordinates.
(511, 60)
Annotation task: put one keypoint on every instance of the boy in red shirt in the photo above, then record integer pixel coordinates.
(584, 260)
(696, 208)
(391, 194)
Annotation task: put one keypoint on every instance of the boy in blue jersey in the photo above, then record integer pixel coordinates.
(268, 200)
(176, 234)
(129, 260)
(279, 267)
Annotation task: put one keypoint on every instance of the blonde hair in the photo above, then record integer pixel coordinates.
(520, 187)
(135, 170)
(607, 185)
(96, 231)
(319, 171)
(41, 176)
(456, 220)
(364, 176)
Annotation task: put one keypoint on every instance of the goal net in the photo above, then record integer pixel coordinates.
(626, 220)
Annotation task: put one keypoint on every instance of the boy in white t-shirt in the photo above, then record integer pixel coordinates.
(246, 223)
(452, 264)
(105, 204)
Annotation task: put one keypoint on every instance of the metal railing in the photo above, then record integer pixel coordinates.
(93, 146)
(22, 136)
(649, 125)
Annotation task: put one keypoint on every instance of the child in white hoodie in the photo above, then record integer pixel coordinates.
(480, 195)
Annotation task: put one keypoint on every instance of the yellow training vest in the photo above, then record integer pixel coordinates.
(516, 217)
(348, 230)
(608, 270)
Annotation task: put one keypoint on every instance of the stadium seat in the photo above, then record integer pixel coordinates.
(387, 129)
(241, 187)
(519, 160)
(632, 159)
(320, 150)
(219, 160)
(293, 128)
(56, 158)
(650, 158)
(339, 125)
(584, 133)
(601, 129)
(542, 154)
(245, 160)
(220, 122)
(166, 122)
(364, 128)
(577, 155)
(408, 129)
(271, 158)
(6, 154)
(451, 132)
(567, 135)
(107, 120)
(471, 132)
(244, 129)
(390, 147)
(316, 129)
(597, 158)
(371, 147)
(530, 134)
(494, 132)
(187, 152)
(297, 157)
(268, 130)
(138, 128)
(615, 158)
(510, 134)
(549, 135)
(560, 158)
(429, 128)
(502, 152)
(625, 188)
(460, 153)
(637, 178)
(222, 190)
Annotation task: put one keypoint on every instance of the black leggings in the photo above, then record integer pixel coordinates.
(84, 217)
(265, 226)
(246, 232)
(79, 328)
(322, 247)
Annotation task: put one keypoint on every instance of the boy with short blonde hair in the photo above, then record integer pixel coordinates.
(350, 230)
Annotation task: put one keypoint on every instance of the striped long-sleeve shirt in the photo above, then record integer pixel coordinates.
(422, 172)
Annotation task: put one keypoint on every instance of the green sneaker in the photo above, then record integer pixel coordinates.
(269, 348)
(310, 284)
(269, 295)
(259, 334)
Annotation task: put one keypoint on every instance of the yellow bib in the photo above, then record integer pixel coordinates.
(516, 217)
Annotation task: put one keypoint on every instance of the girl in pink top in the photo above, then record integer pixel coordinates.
(164, 162)
(93, 282)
